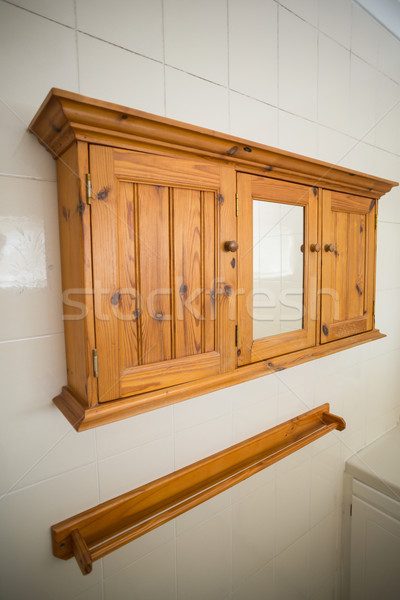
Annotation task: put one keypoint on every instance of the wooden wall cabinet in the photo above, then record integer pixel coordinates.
(160, 257)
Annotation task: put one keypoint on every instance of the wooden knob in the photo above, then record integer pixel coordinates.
(329, 247)
(231, 246)
(315, 247)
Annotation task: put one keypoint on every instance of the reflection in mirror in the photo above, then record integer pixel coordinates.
(278, 234)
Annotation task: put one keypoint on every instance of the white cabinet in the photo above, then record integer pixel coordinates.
(374, 545)
(373, 530)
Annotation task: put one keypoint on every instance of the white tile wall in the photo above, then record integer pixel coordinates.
(135, 25)
(253, 33)
(298, 60)
(196, 36)
(278, 73)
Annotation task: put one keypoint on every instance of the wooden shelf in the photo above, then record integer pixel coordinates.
(102, 529)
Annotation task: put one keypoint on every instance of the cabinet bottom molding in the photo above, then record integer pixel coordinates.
(83, 417)
(98, 531)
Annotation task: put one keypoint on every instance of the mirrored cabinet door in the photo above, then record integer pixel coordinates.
(278, 264)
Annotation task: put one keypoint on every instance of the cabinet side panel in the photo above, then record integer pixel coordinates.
(74, 223)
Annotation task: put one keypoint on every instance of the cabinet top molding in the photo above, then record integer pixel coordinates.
(65, 117)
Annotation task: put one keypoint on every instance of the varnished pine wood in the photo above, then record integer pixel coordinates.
(76, 270)
(348, 272)
(139, 160)
(66, 116)
(83, 418)
(252, 188)
(114, 523)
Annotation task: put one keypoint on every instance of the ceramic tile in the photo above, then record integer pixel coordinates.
(333, 84)
(259, 586)
(363, 83)
(195, 443)
(389, 55)
(297, 135)
(124, 435)
(326, 482)
(253, 539)
(306, 9)
(386, 165)
(28, 568)
(254, 24)
(250, 486)
(116, 75)
(61, 11)
(30, 418)
(297, 64)
(388, 115)
(27, 38)
(203, 408)
(30, 281)
(204, 560)
(139, 580)
(388, 245)
(93, 593)
(292, 571)
(124, 472)
(334, 146)
(293, 499)
(203, 512)
(335, 20)
(365, 35)
(389, 208)
(134, 25)
(362, 158)
(324, 551)
(183, 92)
(253, 391)
(138, 549)
(196, 38)
(253, 120)
(255, 418)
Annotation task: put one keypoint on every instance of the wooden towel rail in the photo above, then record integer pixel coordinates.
(98, 531)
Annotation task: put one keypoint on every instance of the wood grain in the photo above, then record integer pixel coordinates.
(66, 116)
(83, 418)
(128, 516)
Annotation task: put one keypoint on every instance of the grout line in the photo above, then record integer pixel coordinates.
(34, 337)
(228, 66)
(32, 12)
(13, 492)
(30, 177)
(77, 46)
(164, 65)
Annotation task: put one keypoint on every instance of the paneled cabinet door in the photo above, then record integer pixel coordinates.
(277, 267)
(156, 227)
(348, 265)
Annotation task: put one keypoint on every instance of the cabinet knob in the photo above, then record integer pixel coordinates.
(329, 247)
(315, 247)
(231, 246)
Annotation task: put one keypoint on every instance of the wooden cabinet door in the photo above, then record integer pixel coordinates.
(277, 266)
(348, 265)
(156, 228)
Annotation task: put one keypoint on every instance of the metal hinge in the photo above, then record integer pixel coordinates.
(236, 335)
(95, 366)
(237, 204)
(88, 189)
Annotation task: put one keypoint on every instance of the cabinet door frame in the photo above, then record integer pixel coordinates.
(109, 167)
(333, 327)
(252, 187)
